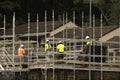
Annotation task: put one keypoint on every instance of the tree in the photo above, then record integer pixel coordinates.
(7, 6)
(115, 12)
(111, 9)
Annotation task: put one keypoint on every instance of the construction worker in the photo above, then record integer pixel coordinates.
(60, 49)
(89, 42)
(87, 47)
(21, 52)
(48, 46)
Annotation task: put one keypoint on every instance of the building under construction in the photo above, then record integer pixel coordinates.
(100, 61)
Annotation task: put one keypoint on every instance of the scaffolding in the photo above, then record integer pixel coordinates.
(74, 59)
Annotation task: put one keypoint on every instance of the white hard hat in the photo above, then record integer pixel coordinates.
(21, 45)
(60, 41)
(87, 37)
(47, 40)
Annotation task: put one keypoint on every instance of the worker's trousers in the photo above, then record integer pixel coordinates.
(48, 56)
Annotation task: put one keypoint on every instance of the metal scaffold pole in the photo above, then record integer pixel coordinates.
(45, 25)
(101, 49)
(37, 36)
(45, 43)
(53, 26)
(74, 42)
(93, 38)
(5, 38)
(66, 20)
(82, 32)
(63, 25)
(28, 54)
(4, 29)
(82, 28)
(13, 43)
(90, 12)
(5, 34)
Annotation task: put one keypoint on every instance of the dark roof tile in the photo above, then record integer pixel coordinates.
(81, 33)
(23, 29)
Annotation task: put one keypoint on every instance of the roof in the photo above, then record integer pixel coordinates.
(111, 34)
(70, 30)
(81, 33)
(23, 29)
(69, 25)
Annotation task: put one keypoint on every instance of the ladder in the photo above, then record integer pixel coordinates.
(8, 59)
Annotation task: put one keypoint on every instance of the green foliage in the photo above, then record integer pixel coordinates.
(115, 12)
(111, 8)
(9, 5)
(77, 1)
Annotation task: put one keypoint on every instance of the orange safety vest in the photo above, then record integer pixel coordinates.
(21, 52)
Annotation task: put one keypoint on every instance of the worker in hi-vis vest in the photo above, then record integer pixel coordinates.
(21, 52)
(87, 47)
(89, 42)
(60, 49)
(48, 46)
(48, 49)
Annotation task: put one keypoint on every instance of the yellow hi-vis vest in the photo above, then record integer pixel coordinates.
(89, 42)
(47, 47)
(60, 48)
